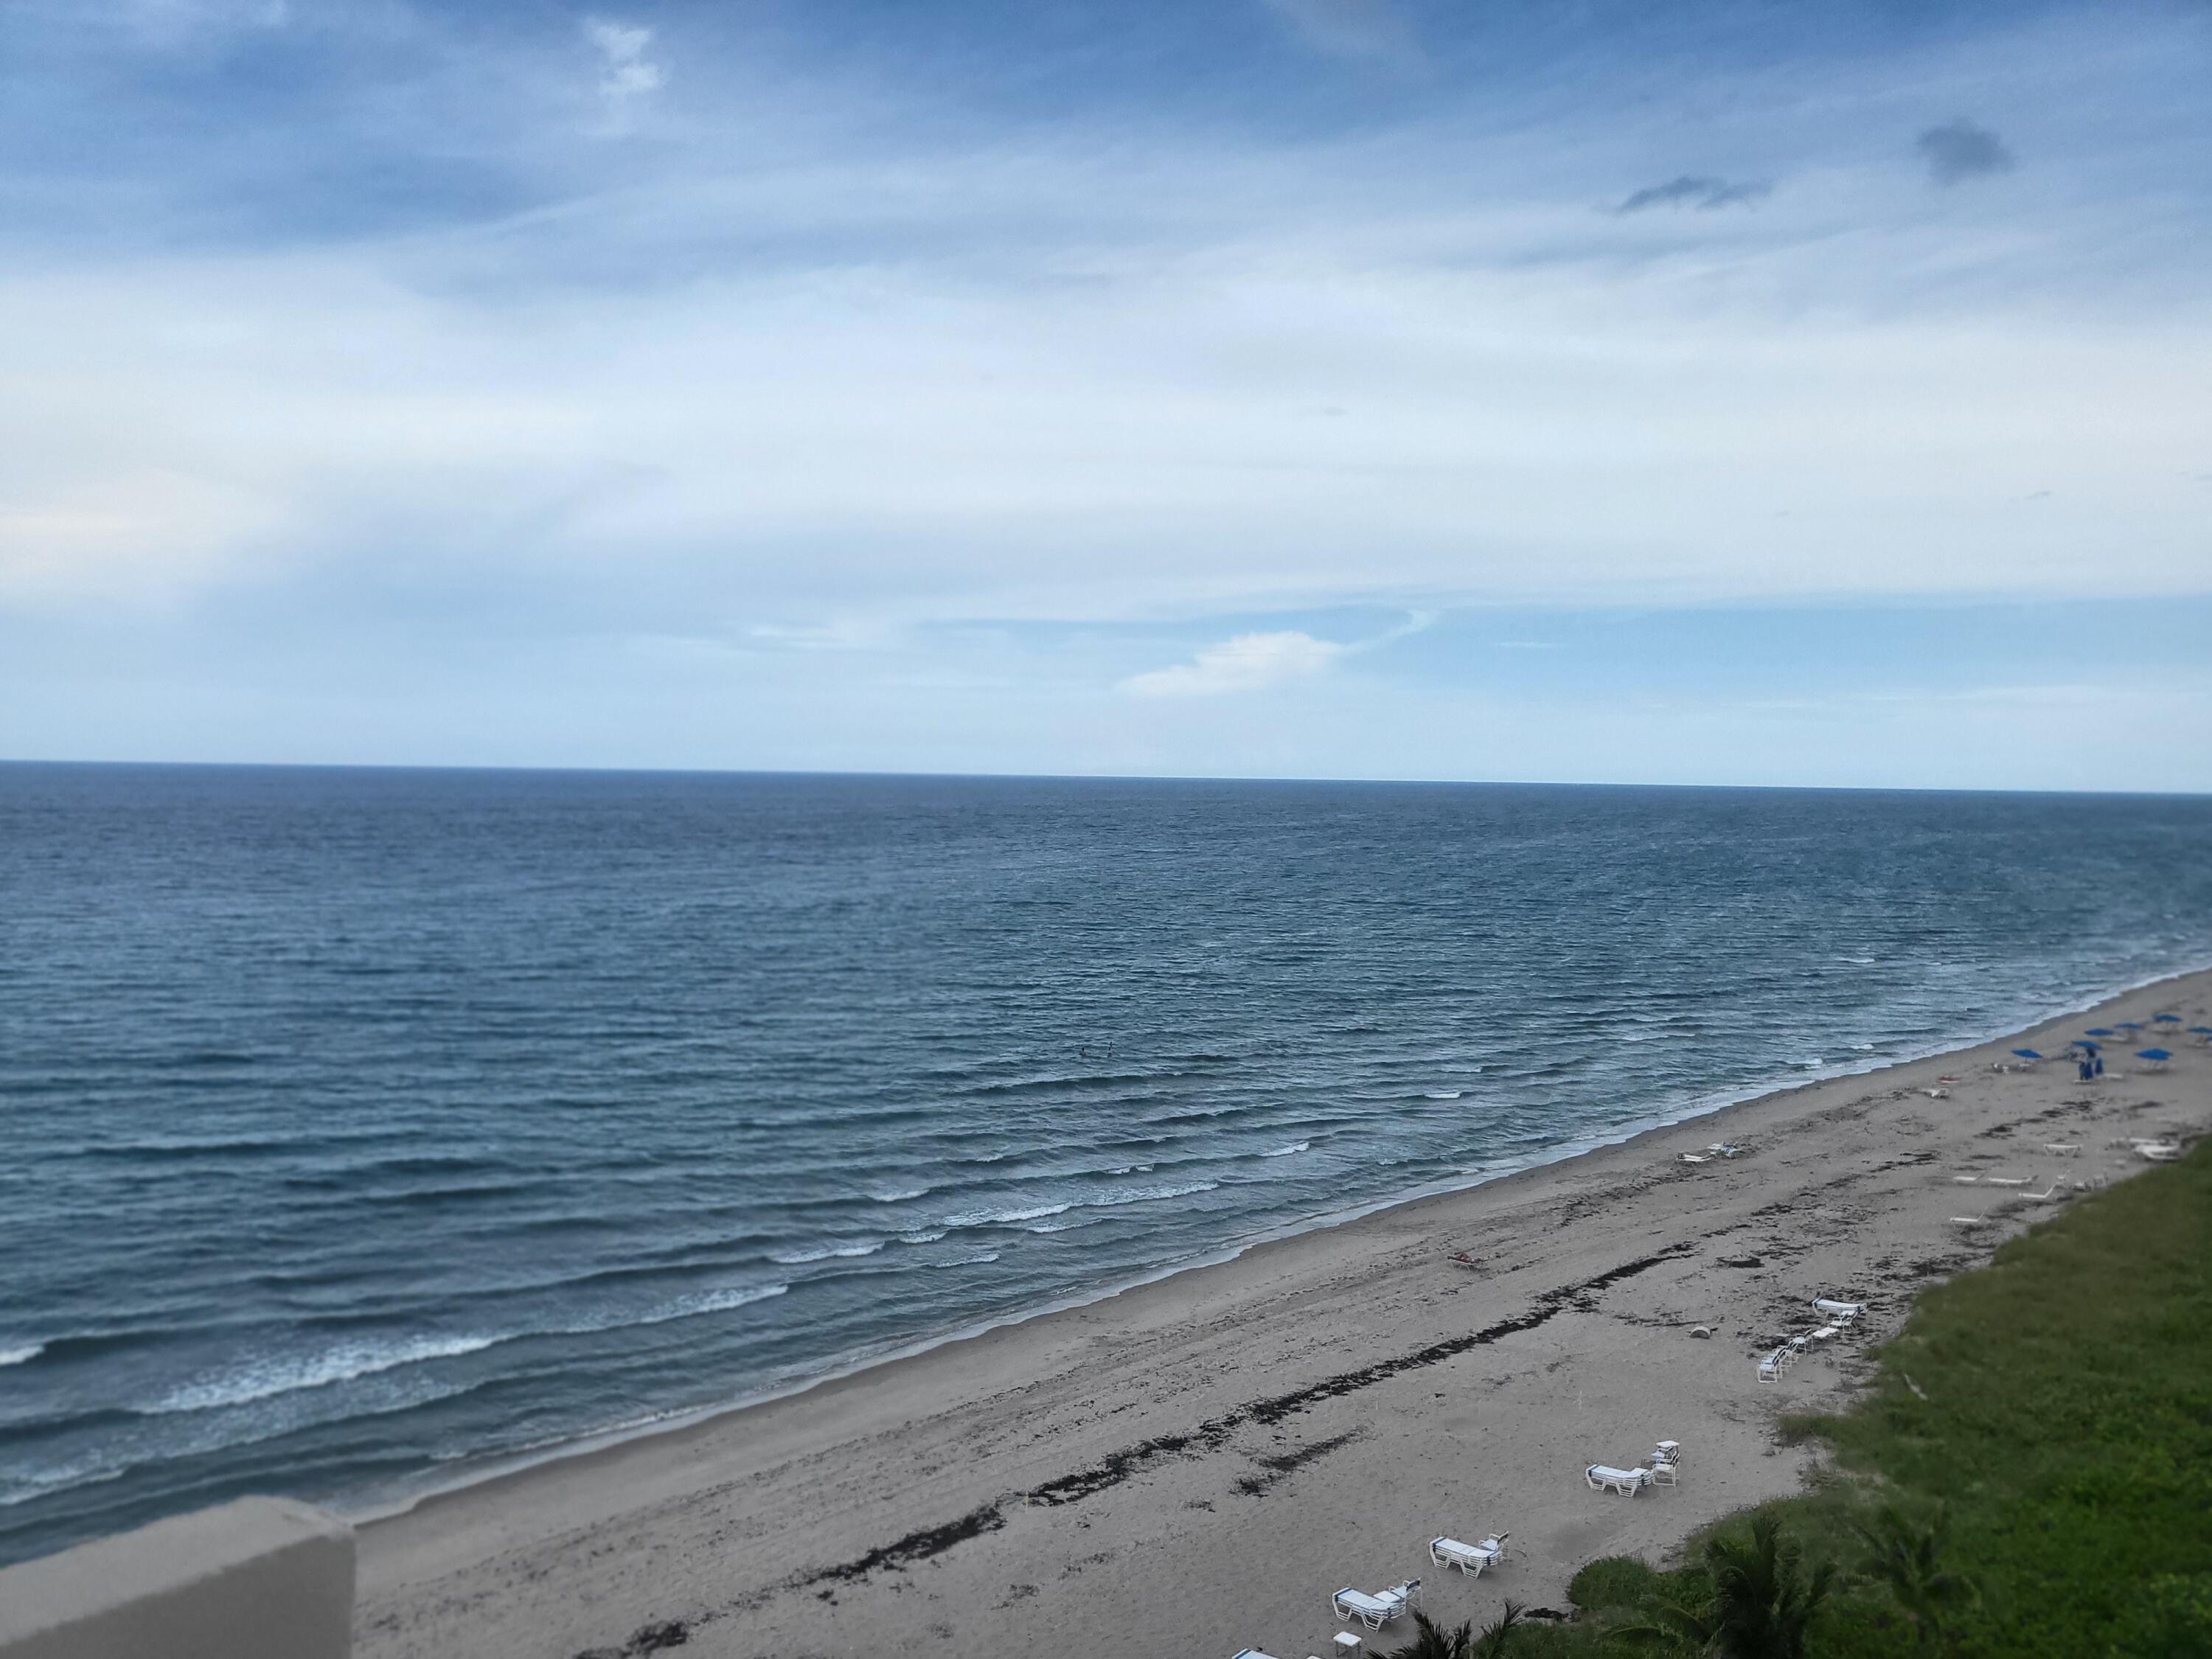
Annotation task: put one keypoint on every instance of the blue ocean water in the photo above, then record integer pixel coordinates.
(363, 1126)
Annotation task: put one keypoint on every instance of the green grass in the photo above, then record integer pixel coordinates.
(2059, 1401)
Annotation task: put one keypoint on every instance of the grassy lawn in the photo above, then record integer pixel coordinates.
(2059, 1402)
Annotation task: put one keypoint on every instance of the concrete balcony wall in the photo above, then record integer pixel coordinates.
(261, 1578)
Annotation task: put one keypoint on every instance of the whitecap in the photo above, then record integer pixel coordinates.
(824, 1252)
(1284, 1151)
(898, 1195)
(19, 1356)
(706, 1302)
(1147, 1195)
(921, 1238)
(1441, 1094)
(1000, 1217)
(340, 1364)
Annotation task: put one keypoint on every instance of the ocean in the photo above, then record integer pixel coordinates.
(366, 1128)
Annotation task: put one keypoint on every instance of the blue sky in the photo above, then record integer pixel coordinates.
(1737, 393)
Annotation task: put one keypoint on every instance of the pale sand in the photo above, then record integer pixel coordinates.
(1192, 1467)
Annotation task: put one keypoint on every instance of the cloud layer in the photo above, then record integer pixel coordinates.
(824, 366)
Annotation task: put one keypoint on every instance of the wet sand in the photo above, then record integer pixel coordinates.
(1194, 1466)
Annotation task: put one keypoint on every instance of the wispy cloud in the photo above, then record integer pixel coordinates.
(1248, 662)
(1373, 29)
(1960, 150)
(1702, 194)
(627, 75)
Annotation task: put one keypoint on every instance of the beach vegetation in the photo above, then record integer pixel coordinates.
(1462, 1641)
(1613, 1580)
(2025, 1479)
(1755, 1600)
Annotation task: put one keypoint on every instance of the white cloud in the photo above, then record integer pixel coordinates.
(626, 75)
(1248, 662)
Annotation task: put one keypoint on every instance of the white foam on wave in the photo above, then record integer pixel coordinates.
(706, 1302)
(898, 1195)
(1147, 1195)
(342, 1364)
(1003, 1217)
(825, 1252)
(1441, 1094)
(20, 1355)
(1068, 1225)
(925, 1238)
(1284, 1151)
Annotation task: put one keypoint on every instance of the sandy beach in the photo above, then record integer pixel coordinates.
(1194, 1466)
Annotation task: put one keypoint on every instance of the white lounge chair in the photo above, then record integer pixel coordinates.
(1667, 1451)
(1376, 1610)
(1627, 1482)
(2047, 1194)
(1838, 1313)
(1664, 1474)
(2061, 1148)
(1469, 1559)
(1250, 1653)
(1770, 1368)
(2008, 1180)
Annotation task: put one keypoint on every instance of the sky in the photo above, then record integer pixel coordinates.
(1582, 390)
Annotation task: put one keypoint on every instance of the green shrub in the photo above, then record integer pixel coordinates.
(1611, 1581)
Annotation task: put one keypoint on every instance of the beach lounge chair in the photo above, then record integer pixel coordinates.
(2061, 1148)
(1469, 1559)
(2047, 1195)
(1664, 1474)
(1376, 1610)
(2160, 1152)
(1770, 1368)
(1627, 1482)
(1250, 1653)
(1667, 1451)
(2008, 1180)
(1838, 1313)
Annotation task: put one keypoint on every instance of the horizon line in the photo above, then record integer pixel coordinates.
(858, 774)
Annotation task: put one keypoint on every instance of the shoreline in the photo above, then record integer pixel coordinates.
(814, 1519)
(499, 1468)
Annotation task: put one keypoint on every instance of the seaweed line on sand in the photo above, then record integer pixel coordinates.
(1213, 1434)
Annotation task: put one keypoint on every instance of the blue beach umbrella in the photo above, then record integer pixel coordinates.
(2131, 1025)
(2156, 1056)
(2084, 1043)
(2028, 1053)
(2172, 1019)
(2100, 1030)
(2200, 1031)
